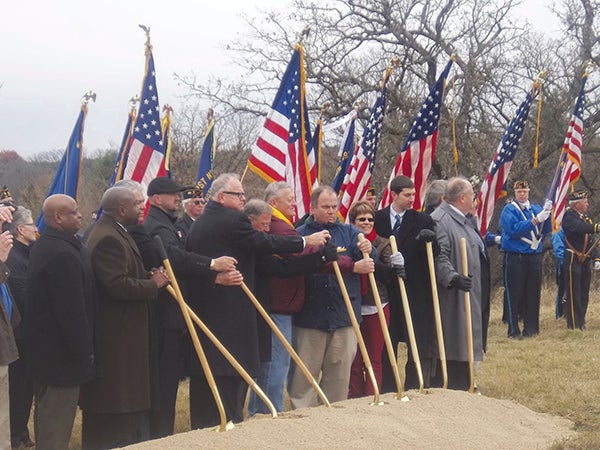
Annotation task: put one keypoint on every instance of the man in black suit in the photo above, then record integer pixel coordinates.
(406, 224)
(60, 327)
(164, 195)
(224, 229)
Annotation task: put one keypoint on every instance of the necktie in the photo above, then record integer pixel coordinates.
(397, 223)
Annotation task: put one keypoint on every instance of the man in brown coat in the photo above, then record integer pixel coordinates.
(116, 405)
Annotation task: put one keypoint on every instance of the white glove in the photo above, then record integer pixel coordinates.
(397, 259)
(542, 215)
(548, 205)
(596, 265)
(497, 239)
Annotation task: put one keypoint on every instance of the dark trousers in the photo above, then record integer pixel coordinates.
(101, 431)
(577, 290)
(162, 416)
(21, 397)
(523, 285)
(203, 408)
(458, 375)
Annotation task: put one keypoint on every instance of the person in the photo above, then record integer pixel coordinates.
(224, 229)
(452, 222)
(408, 226)
(280, 281)
(24, 232)
(579, 240)
(60, 322)
(115, 405)
(371, 197)
(558, 247)
(361, 215)
(9, 319)
(323, 334)
(193, 205)
(434, 195)
(524, 226)
(164, 197)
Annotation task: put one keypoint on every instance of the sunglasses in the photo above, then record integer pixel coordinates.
(198, 202)
(365, 219)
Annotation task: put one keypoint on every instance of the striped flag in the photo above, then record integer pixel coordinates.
(205, 175)
(66, 179)
(347, 149)
(360, 170)
(418, 151)
(281, 150)
(569, 164)
(121, 160)
(146, 159)
(315, 153)
(494, 184)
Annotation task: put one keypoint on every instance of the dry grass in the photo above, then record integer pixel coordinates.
(555, 372)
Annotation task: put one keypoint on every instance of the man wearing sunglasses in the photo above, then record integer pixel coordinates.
(411, 229)
(193, 205)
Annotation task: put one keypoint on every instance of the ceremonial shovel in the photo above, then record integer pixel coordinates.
(384, 327)
(468, 320)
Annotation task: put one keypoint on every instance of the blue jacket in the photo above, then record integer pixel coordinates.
(324, 308)
(558, 245)
(517, 224)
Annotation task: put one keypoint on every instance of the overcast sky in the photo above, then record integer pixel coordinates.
(54, 51)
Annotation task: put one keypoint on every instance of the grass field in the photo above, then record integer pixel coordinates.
(556, 372)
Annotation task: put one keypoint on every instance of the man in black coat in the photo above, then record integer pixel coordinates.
(406, 224)
(224, 229)
(60, 322)
(164, 195)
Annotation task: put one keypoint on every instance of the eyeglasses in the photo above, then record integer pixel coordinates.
(199, 202)
(28, 224)
(239, 195)
(365, 219)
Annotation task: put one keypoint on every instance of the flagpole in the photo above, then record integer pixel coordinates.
(535, 88)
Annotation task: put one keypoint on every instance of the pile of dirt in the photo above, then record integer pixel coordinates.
(435, 419)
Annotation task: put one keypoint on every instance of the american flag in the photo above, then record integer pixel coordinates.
(281, 150)
(360, 170)
(418, 151)
(146, 159)
(494, 185)
(347, 150)
(314, 155)
(569, 163)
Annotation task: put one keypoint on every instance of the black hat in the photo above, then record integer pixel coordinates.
(578, 195)
(192, 193)
(165, 185)
(521, 184)
(370, 191)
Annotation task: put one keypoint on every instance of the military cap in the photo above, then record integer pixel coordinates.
(370, 191)
(578, 195)
(192, 193)
(521, 184)
(5, 193)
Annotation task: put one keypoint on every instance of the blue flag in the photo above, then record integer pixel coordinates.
(66, 180)
(205, 176)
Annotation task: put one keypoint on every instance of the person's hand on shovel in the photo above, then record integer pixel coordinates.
(317, 239)
(364, 266)
(230, 278)
(160, 277)
(223, 264)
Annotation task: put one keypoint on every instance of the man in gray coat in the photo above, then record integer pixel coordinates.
(453, 221)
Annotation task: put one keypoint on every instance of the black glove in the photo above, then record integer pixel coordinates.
(399, 271)
(462, 282)
(426, 235)
(329, 252)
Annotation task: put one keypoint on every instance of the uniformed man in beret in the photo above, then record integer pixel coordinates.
(579, 240)
(193, 205)
(524, 226)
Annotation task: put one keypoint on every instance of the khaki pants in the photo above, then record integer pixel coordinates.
(54, 414)
(328, 354)
(4, 409)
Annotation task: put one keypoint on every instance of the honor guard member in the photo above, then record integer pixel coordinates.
(193, 205)
(524, 226)
(580, 250)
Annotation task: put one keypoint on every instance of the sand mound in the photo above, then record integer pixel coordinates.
(436, 419)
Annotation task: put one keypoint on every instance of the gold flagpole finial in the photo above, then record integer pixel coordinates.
(133, 100)
(210, 114)
(394, 62)
(147, 31)
(539, 79)
(303, 35)
(325, 108)
(588, 67)
(89, 95)
(167, 109)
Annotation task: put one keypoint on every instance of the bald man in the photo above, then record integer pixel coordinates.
(116, 405)
(62, 301)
